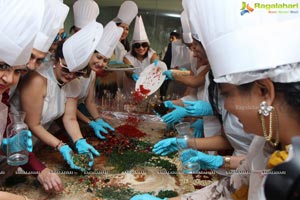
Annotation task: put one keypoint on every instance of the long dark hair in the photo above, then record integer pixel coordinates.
(59, 51)
(213, 96)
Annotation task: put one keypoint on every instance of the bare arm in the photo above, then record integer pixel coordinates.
(128, 73)
(214, 143)
(10, 196)
(35, 86)
(90, 101)
(192, 81)
(218, 142)
(90, 105)
(154, 57)
(70, 119)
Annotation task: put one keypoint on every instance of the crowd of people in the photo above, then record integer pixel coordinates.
(239, 88)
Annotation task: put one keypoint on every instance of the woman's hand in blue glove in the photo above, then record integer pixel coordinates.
(168, 74)
(18, 142)
(67, 154)
(146, 197)
(84, 148)
(169, 104)
(198, 128)
(198, 108)
(206, 161)
(175, 116)
(169, 145)
(135, 77)
(100, 126)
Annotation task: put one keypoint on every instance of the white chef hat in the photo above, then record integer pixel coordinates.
(85, 11)
(54, 17)
(18, 28)
(79, 48)
(139, 32)
(127, 12)
(193, 18)
(62, 25)
(109, 40)
(186, 35)
(258, 42)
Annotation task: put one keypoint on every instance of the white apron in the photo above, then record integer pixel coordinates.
(55, 99)
(140, 65)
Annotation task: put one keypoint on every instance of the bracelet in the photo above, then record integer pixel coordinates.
(61, 143)
(227, 162)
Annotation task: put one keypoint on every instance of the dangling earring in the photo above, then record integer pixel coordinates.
(267, 111)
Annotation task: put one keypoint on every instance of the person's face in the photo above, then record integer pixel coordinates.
(98, 62)
(172, 38)
(63, 74)
(10, 76)
(125, 31)
(244, 105)
(141, 48)
(199, 52)
(36, 59)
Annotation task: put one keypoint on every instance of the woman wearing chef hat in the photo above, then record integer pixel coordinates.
(56, 90)
(140, 55)
(53, 19)
(18, 30)
(85, 11)
(260, 89)
(127, 12)
(97, 63)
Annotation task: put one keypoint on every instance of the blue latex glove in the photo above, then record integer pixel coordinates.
(198, 108)
(135, 77)
(175, 116)
(155, 62)
(84, 148)
(169, 104)
(169, 145)
(168, 75)
(146, 197)
(67, 154)
(206, 161)
(198, 128)
(24, 136)
(100, 126)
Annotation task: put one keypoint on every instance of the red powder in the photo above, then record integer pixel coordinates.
(140, 94)
(144, 90)
(129, 131)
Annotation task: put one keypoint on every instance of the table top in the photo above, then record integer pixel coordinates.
(106, 181)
